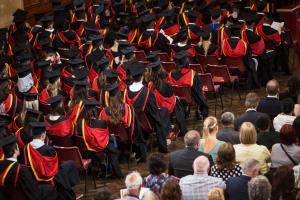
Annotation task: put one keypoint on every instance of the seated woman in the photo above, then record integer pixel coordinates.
(248, 149)
(184, 76)
(286, 117)
(121, 113)
(96, 136)
(287, 152)
(226, 165)
(210, 144)
(206, 47)
(165, 96)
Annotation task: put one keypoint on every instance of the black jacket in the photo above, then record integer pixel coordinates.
(249, 116)
(229, 135)
(237, 188)
(271, 106)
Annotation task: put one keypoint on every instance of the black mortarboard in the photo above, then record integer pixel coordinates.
(136, 68)
(250, 16)
(95, 37)
(24, 70)
(47, 18)
(235, 26)
(91, 28)
(215, 13)
(55, 101)
(76, 62)
(140, 6)
(144, 12)
(123, 44)
(37, 128)
(90, 103)
(155, 66)
(128, 50)
(43, 63)
(81, 73)
(7, 140)
(33, 115)
(19, 15)
(77, 3)
(153, 56)
(99, 9)
(29, 96)
(147, 18)
(103, 61)
(83, 83)
(121, 35)
(24, 57)
(181, 55)
(52, 75)
(260, 4)
(113, 89)
(163, 3)
(111, 73)
(167, 13)
(58, 8)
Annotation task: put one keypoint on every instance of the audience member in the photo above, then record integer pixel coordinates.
(293, 85)
(102, 194)
(227, 133)
(264, 135)
(297, 107)
(271, 105)
(296, 125)
(149, 195)
(171, 191)
(259, 188)
(251, 115)
(215, 194)
(286, 152)
(286, 116)
(181, 161)
(196, 186)
(283, 182)
(237, 187)
(133, 184)
(210, 144)
(157, 168)
(226, 165)
(248, 149)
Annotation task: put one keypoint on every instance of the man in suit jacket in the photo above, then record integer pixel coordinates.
(181, 161)
(271, 105)
(237, 187)
(227, 133)
(251, 115)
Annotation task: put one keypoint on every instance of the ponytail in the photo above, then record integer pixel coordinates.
(210, 123)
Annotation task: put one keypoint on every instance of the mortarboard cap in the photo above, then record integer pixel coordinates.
(153, 56)
(136, 68)
(43, 63)
(24, 57)
(215, 13)
(76, 62)
(167, 13)
(81, 73)
(103, 61)
(52, 75)
(99, 9)
(37, 128)
(19, 15)
(113, 89)
(204, 32)
(24, 70)
(83, 83)
(111, 73)
(155, 66)
(128, 50)
(33, 115)
(181, 55)
(29, 96)
(8, 140)
(77, 3)
(47, 18)
(5, 120)
(163, 3)
(147, 18)
(95, 37)
(90, 103)
(55, 101)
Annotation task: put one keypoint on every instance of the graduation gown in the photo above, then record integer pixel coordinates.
(144, 101)
(78, 27)
(12, 105)
(153, 40)
(188, 77)
(170, 29)
(188, 48)
(65, 39)
(14, 175)
(62, 127)
(212, 50)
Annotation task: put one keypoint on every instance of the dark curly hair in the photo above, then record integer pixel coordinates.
(156, 165)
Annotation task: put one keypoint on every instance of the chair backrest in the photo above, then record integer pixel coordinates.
(235, 62)
(210, 59)
(220, 71)
(197, 68)
(184, 93)
(168, 66)
(140, 55)
(164, 57)
(207, 82)
(61, 141)
(69, 153)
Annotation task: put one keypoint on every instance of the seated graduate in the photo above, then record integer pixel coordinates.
(15, 176)
(184, 76)
(58, 124)
(78, 18)
(43, 160)
(170, 27)
(181, 42)
(206, 47)
(96, 136)
(120, 113)
(144, 102)
(164, 94)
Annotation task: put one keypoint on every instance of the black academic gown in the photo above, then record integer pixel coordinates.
(158, 41)
(23, 178)
(147, 103)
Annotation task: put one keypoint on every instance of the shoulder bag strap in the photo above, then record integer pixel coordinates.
(293, 161)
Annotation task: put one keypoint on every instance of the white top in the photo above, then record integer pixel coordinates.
(282, 119)
(279, 158)
(37, 143)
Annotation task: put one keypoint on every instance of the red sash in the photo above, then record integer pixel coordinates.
(75, 112)
(19, 139)
(172, 30)
(44, 97)
(44, 167)
(95, 139)
(238, 51)
(165, 102)
(132, 101)
(106, 98)
(186, 80)
(93, 74)
(11, 104)
(4, 173)
(158, 22)
(61, 129)
(192, 35)
(132, 35)
(275, 36)
(257, 48)
(122, 72)
(191, 51)
(95, 84)
(1, 154)
(148, 43)
(64, 39)
(80, 29)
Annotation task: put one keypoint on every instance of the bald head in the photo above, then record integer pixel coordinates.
(272, 87)
(192, 138)
(201, 165)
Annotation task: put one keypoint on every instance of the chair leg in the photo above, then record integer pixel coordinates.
(216, 102)
(221, 99)
(94, 180)
(85, 186)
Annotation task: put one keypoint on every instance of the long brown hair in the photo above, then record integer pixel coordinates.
(53, 88)
(158, 77)
(115, 109)
(226, 157)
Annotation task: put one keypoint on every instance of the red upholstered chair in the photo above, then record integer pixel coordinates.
(204, 60)
(185, 95)
(168, 66)
(236, 63)
(164, 57)
(221, 75)
(73, 154)
(61, 141)
(140, 55)
(208, 86)
(197, 68)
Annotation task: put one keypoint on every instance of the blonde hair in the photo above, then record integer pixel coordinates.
(247, 133)
(209, 124)
(31, 104)
(206, 44)
(215, 194)
(53, 88)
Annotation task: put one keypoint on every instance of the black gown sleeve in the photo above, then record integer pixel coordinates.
(198, 96)
(162, 43)
(28, 185)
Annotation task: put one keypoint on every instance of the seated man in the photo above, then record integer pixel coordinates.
(271, 105)
(196, 186)
(15, 175)
(227, 133)
(133, 184)
(237, 187)
(181, 161)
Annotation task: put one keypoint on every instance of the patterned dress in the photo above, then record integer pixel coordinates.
(155, 183)
(225, 173)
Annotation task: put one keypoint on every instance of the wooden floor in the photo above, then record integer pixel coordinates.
(237, 108)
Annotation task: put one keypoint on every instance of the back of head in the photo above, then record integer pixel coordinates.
(215, 194)
(283, 181)
(156, 165)
(102, 194)
(201, 165)
(296, 125)
(263, 123)
(259, 188)
(191, 138)
(133, 180)
(226, 157)
(171, 191)
(251, 100)
(287, 106)
(287, 135)
(149, 195)
(210, 124)
(272, 87)
(248, 133)
(250, 167)
(227, 118)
